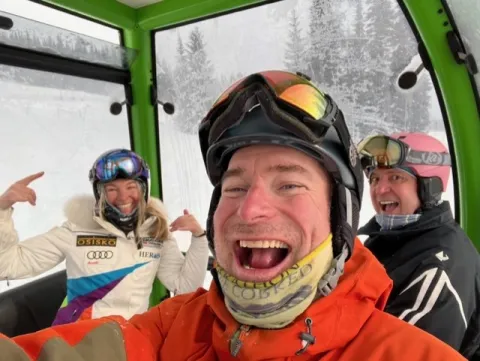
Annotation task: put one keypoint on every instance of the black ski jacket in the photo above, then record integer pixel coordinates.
(435, 269)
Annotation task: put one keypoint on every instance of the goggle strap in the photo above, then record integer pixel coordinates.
(241, 102)
(225, 119)
(290, 123)
(332, 112)
(345, 138)
(428, 158)
(240, 105)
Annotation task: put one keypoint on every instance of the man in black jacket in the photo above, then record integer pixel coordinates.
(434, 265)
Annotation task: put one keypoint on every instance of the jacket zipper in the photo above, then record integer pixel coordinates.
(237, 340)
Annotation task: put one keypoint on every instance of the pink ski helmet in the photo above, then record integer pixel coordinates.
(422, 142)
(420, 154)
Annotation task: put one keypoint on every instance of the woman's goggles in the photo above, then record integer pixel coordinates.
(118, 165)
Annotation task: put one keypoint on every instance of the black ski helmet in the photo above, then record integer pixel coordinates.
(283, 108)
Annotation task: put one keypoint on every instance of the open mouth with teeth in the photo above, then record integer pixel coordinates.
(126, 209)
(389, 206)
(262, 254)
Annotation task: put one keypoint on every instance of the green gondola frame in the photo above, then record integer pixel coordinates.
(430, 20)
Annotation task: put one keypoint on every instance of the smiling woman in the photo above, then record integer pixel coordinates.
(123, 194)
(115, 244)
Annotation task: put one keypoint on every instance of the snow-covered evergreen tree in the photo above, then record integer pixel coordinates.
(295, 53)
(194, 75)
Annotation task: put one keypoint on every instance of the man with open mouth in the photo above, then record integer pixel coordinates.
(434, 266)
(291, 281)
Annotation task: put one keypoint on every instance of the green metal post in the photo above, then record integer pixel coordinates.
(463, 115)
(144, 120)
(143, 112)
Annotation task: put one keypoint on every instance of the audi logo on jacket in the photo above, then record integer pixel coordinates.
(100, 254)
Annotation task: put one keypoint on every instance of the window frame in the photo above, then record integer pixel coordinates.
(422, 51)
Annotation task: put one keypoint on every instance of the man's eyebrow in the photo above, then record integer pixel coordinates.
(390, 171)
(233, 172)
(280, 168)
(288, 168)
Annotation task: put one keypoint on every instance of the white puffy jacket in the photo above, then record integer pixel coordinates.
(106, 273)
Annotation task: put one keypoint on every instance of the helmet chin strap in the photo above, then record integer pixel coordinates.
(126, 223)
(119, 212)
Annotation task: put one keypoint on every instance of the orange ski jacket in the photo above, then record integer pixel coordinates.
(347, 325)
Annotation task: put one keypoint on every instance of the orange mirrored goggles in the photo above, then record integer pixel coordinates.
(288, 94)
(293, 89)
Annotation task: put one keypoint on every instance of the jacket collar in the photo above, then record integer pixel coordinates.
(337, 318)
(80, 213)
(431, 218)
(386, 242)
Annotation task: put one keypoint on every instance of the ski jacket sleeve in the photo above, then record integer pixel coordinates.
(32, 256)
(109, 338)
(183, 274)
(437, 299)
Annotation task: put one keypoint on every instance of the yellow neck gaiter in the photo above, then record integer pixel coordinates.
(277, 303)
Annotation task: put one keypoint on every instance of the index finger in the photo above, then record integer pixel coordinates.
(27, 180)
